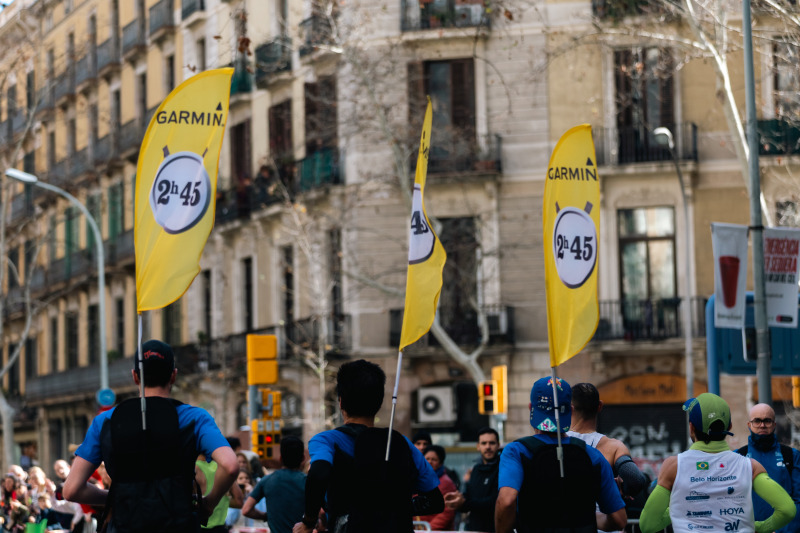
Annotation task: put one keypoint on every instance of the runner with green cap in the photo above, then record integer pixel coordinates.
(708, 487)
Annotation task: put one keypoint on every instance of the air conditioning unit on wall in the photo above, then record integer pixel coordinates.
(436, 404)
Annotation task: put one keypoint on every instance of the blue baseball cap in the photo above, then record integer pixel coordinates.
(543, 415)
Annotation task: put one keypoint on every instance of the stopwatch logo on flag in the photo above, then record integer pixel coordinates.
(574, 245)
(181, 192)
(420, 246)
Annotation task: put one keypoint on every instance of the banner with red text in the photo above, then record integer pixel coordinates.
(781, 247)
(729, 242)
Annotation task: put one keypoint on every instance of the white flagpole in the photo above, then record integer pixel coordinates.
(394, 402)
(141, 376)
(560, 448)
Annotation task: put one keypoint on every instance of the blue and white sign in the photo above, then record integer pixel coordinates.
(106, 397)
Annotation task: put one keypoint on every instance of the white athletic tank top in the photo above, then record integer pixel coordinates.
(591, 439)
(712, 493)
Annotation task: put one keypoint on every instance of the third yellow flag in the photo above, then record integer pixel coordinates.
(176, 184)
(571, 225)
(426, 255)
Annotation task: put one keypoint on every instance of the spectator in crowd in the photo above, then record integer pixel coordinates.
(781, 462)
(443, 521)
(697, 488)
(480, 495)
(535, 493)
(283, 490)
(422, 439)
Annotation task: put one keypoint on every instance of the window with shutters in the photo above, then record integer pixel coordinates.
(54, 344)
(240, 152)
(13, 371)
(451, 86)
(248, 295)
(320, 109)
(457, 312)
(94, 207)
(171, 323)
(115, 210)
(281, 149)
(645, 101)
(31, 358)
(71, 338)
(93, 341)
(786, 56)
(119, 341)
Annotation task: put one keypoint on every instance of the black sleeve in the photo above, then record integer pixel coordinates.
(426, 503)
(319, 476)
(633, 481)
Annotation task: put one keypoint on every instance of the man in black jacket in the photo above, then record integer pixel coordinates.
(480, 495)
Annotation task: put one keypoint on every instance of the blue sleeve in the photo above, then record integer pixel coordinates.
(510, 467)
(259, 490)
(321, 447)
(90, 448)
(795, 492)
(609, 499)
(207, 434)
(427, 479)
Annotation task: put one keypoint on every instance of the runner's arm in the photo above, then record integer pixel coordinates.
(655, 515)
(633, 481)
(250, 511)
(778, 498)
(237, 497)
(317, 481)
(77, 487)
(224, 477)
(505, 510)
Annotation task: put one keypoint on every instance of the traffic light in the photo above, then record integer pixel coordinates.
(499, 376)
(262, 359)
(270, 403)
(486, 397)
(266, 437)
(795, 391)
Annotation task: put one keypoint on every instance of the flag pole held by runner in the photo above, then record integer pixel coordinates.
(571, 225)
(426, 258)
(176, 183)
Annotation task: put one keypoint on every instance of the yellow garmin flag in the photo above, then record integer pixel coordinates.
(571, 225)
(176, 184)
(426, 256)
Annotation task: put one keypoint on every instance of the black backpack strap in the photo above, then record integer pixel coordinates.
(742, 450)
(352, 430)
(788, 457)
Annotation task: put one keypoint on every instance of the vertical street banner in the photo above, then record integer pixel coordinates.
(781, 250)
(176, 183)
(729, 242)
(571, 220)
(426, 255)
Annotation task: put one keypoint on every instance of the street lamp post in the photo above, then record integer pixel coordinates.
(30, 179)
(664, 137)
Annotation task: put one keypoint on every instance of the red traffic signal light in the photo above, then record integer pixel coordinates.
(268, 439)
(486, 397)
(488, 389)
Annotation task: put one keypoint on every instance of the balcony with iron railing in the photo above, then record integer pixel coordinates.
(271, 58)
(106, 147)
(162, 22)
(133, 39)
(620, 146)
(108, 56)
(80, 164)
(462, 326)
(19, 121)
(242, 79)
(46, 99)
(119, 250)
(86, 70)
(21, 206)
(306, 335)
(316, 33)
(319, 169)
(778, 137)
(648, 320)
(617, 10)
(463, 152)
(234, 204)
(58, 174)
(191, 10)
(65, 85)
(76, 381)
(132, 132)
(425, 15)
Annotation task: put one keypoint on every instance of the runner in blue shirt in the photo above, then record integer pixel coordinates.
(534, 496)
(349, 474)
